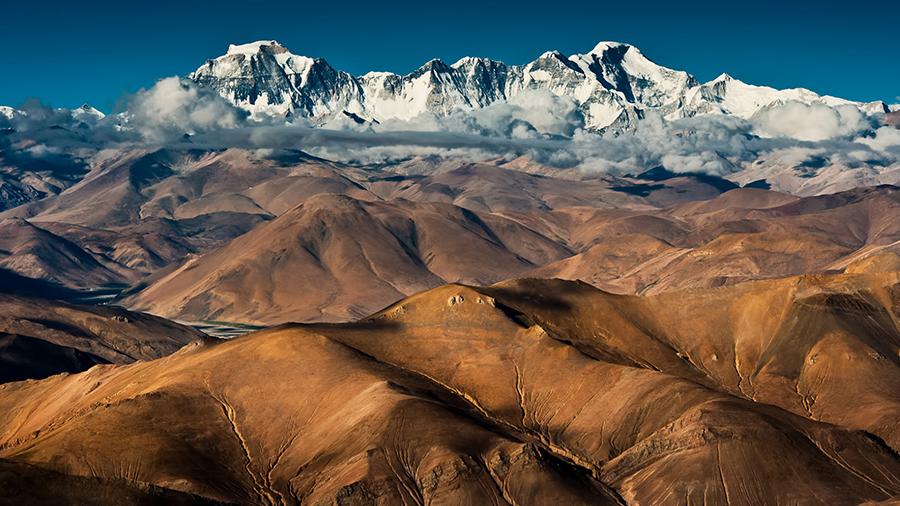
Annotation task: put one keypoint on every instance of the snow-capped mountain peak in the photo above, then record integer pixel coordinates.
(266, 79)
(729, 95)
(87, 112)
(722, 77)
(8, 112)
(613, 85)
(472, 61)
(551, 55)
(604, 46)
(255, 47)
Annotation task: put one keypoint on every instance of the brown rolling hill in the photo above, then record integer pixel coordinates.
(23, 357)
(337, 258)
(489, 188)
(139, 212)
(229, 234)
(526, 392)
(743, 234)
(353, 257)
(37, 253)
(40, 337)
(153, 244)
(823, 347)
(26, 485)
(129, 185)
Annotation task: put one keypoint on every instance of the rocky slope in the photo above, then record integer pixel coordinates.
(40, 337)
(743, 234)
(139, 211)
(528, 392)
(352, 257)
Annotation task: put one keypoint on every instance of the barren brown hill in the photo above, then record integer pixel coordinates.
(504, 188)
(23, 357)
(489, 188)
(743, 234)
(336, 258)
(353, 257)
(143, 217)
(41, 337)
(152, 244)
(129, 185)
(824, 347)
(528, 392)
(37, 253)
(140, 212)
(26, 485)
(27, 178)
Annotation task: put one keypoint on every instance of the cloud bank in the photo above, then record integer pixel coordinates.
(175, 107)
(809, 122)
(546, 127)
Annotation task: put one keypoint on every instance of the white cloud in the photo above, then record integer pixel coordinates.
(705, 162)
(886, 140)
(531, 114)
(815, 122)
(176, 106)
(546, 127)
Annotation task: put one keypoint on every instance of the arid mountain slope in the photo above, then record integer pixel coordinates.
(743, 234)
(151, 245)
(27, 485)
(336, 258)
(489, 188)
(512, 394)
(40, 254)
(138, 212)
(40, 337)
(823, 347)
(23, 357)
(129, 185)
(222, 234)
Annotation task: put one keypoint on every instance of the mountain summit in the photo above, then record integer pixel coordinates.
(613, 85)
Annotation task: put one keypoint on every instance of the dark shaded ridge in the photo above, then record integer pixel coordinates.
(16, 284)
(23, 484)
(23, 357)
(661, 174)
(759, 183)
(639, 189)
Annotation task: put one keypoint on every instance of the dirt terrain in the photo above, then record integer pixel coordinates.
(525, 392)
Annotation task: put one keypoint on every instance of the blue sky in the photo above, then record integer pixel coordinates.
(68, 53)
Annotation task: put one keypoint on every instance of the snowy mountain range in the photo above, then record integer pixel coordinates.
(85, 113)
(613, 86)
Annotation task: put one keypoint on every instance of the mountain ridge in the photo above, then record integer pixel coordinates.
(613, 85)
(526, 392)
